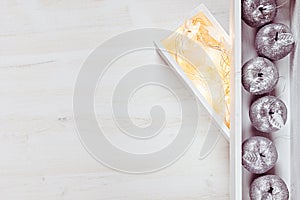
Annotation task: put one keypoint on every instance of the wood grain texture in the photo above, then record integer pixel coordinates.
(43, 45)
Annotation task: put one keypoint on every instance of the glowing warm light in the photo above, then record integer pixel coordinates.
(203, 52)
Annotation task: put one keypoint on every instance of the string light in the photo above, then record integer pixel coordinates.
(201, 31)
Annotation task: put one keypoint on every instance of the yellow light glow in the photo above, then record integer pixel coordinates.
(212, 43)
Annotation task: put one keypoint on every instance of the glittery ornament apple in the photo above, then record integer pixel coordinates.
(269, 187)
(268, 114)
(259, 154)
(259, 76)
(274, 41)
(257, 13)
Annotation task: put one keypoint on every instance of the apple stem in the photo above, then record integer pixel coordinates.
(262, 155)
(271, 190)
(262, 8)
(276, 36)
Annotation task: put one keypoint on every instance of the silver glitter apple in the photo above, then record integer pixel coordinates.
(259, 76)
(268, 114)
(259, 154)
(269, 187)
(256, 13)
(274, 41)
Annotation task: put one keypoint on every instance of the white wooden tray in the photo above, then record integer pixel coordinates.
(286, 139)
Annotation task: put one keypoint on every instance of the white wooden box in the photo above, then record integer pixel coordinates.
(199, 52)
(286, 139)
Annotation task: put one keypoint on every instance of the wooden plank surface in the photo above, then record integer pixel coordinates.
(43, 45)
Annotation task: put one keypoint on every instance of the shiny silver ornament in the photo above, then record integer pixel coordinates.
(269, 187)
(268, 114)
(259, 76)
(274, 41)
(259, 155)
(257, 13)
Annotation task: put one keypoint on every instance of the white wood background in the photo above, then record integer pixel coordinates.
(42, 46)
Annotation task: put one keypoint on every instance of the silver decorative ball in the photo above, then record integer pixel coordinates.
(259, 76)
(269, 187)
(274, 41)
(268, 114)
(257, 13)
(259, 155)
